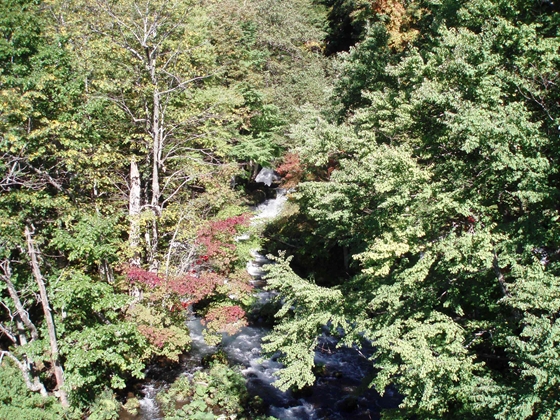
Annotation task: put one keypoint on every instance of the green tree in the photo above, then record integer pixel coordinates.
(53, 166)
(445, 194)
(154, 64)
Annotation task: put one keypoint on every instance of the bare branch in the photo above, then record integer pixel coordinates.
(17, 176)
(50, 179)
(121, 103)
(33, 253)
(185, 182)
(4, 330)
(171, 244)
(21, 312)
(25, 369)
(183, 84)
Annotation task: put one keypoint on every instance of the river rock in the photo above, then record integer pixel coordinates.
(267, 176)
(348, 403)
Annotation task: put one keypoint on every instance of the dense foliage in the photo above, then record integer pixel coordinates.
(218, 393)
(440, 183)
(123, 126)
(421, 138)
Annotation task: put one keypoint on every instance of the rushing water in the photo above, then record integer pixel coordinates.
(338, 392)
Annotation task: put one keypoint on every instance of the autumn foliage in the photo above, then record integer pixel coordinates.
(188, 289)
(195, 287)
(156, 336)
(217, 239)
(225, 319)
(211, 279)
(140, 276)
(291, 170)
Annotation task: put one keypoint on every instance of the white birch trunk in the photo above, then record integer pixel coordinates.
(31, 381)
(23, 324)
(153, 260)
(57, 367)
(134, 214)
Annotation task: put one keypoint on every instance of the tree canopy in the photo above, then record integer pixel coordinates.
(122, 126)
(442, 188)
(420, 138)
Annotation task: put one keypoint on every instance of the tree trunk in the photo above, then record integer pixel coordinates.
(134, 214)
(156, 164)
(500, 276)
(23, 325)
(156, 151)
(106, 271)
(58, 373)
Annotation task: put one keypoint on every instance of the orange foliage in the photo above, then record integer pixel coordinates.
(399, 25)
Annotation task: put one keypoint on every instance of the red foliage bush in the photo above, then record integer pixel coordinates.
(217, 237)
(227, 314)
(225, 319)
(193, 287)
(156, 336)
(291, 170)
(139, 275)
(190, 289)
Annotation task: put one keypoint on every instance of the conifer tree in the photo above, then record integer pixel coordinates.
(445, 194)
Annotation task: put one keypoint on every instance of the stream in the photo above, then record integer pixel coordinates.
(337, 392)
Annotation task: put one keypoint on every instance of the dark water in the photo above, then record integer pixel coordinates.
(338, 393)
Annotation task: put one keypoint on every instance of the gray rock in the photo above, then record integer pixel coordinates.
(267, 176)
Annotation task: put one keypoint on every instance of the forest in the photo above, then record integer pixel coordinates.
(417, 143)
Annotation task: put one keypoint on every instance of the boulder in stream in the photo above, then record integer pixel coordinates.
(267, 176)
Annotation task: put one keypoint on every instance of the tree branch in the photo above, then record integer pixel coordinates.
(58, 373)
(4, 330)
(34, 385)
(21, 312)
